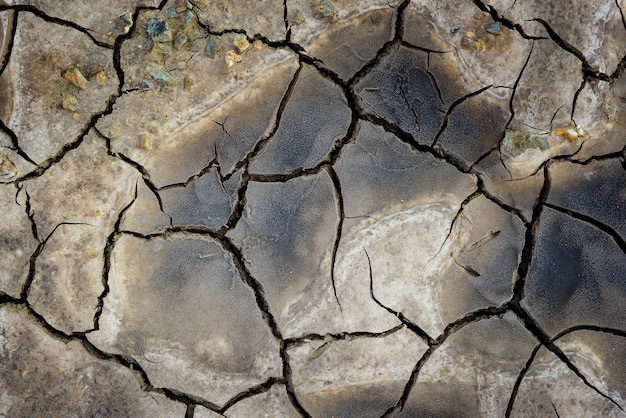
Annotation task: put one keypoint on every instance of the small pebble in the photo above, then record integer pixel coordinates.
(159, 30)
(7, 168)
(515, 143)
(231, 59)
(70, 103)
(160, 51)
(101, 78)
(610, 111)
(180, 39)
(322, 9)
(145, 142)
(241, 43)
(211, 48)
(170, 12)
(74, 76)
(187, 83)
(162, 77)
(187, 16)
(298, 17)
(493, 28)
(125, 22)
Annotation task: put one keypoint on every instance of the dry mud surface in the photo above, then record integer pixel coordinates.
(312, 208)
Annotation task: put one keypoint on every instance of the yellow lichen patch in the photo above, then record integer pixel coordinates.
(74, 76)
(479, 46)
(570, 134)
(101, 78)
(145, 142)
(258, 45)
(91, 253)
(470, 41)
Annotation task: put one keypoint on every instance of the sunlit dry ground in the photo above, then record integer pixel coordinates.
(348, 209)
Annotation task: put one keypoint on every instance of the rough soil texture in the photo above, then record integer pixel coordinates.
(312, 208)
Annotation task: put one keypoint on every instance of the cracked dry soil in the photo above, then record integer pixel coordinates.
(328, 209)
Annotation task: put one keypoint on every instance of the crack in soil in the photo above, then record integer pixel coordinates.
(326, 164)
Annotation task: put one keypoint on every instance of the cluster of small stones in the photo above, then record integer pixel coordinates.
(312, 208)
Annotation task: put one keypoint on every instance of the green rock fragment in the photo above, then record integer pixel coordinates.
(298, 17)
(515, 143)
(187, 16)
(159, 30)
(493, 28)
(162, 77)
(211, 48)
(180, 39)
(170, 12)
(322, 9)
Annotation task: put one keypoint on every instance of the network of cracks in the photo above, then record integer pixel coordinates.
(318, 208)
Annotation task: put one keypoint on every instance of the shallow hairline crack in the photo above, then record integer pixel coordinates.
(294, 342)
